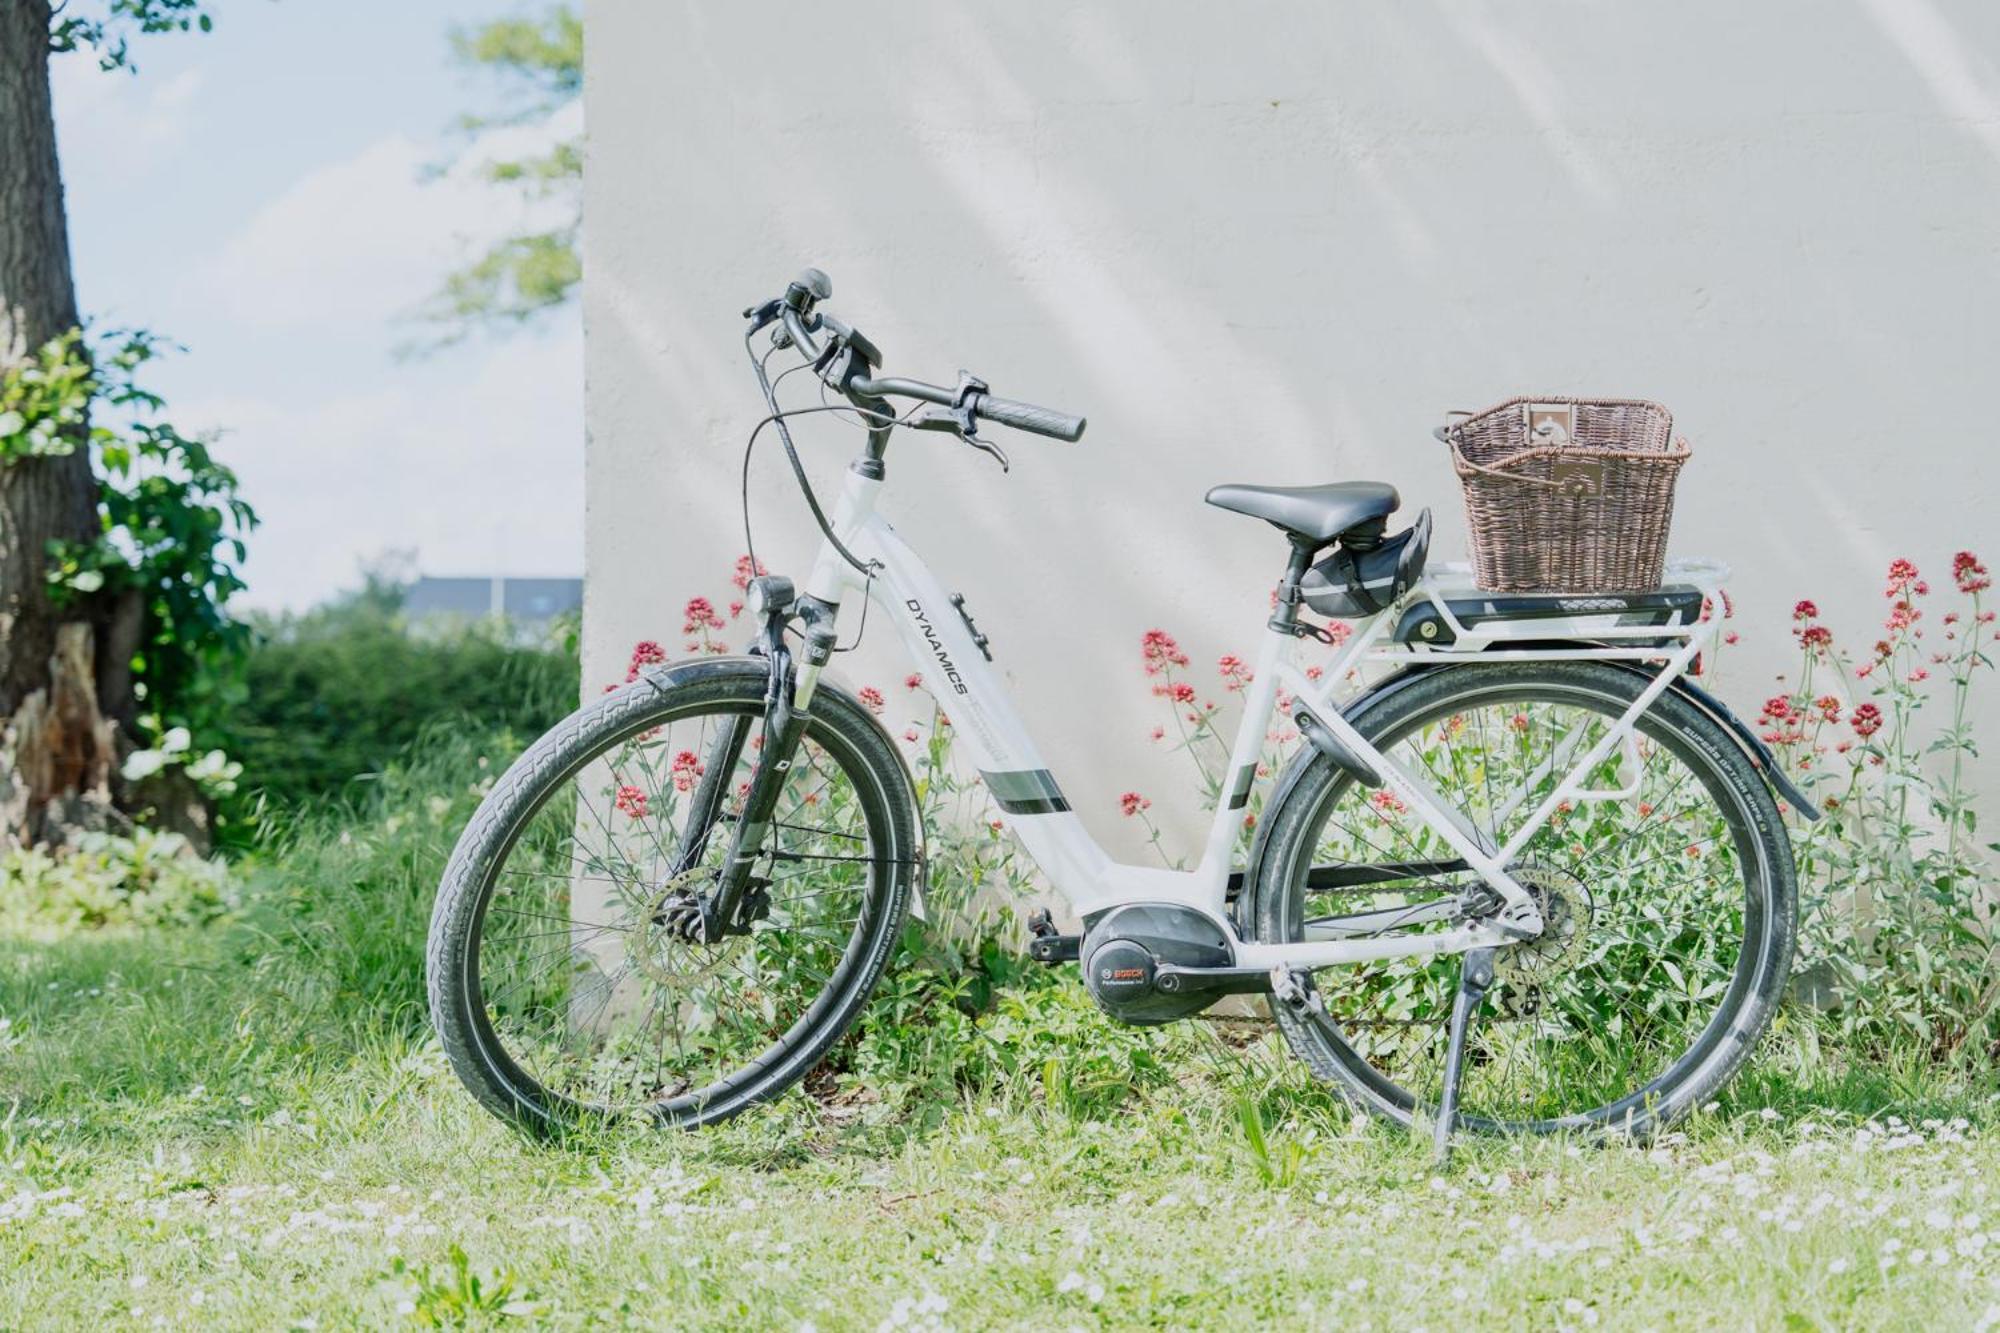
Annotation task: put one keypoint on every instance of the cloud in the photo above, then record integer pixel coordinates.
(478, 464)
(116, 123)
(474, 458)
(369, 238)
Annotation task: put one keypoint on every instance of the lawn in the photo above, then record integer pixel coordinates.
(191, 1144)
(246, 1124)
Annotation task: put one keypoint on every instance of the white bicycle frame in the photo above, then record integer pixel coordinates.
(1079, 869)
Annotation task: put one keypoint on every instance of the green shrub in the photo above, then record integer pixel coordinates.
(148, 879)
(339, 692)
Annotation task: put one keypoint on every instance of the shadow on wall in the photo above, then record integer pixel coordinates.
(1274, 243)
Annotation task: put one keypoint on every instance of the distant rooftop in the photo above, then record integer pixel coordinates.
(517, 599)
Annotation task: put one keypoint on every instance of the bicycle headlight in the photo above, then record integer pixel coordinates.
(768, 594)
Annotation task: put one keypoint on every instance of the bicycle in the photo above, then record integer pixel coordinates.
(1534, 878)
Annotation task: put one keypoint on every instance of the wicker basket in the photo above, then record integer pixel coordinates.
(1567, 494)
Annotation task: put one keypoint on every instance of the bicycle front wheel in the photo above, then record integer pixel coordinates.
(1668, 891)
(561, 983)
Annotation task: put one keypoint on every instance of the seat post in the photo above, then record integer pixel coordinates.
(1285, 615)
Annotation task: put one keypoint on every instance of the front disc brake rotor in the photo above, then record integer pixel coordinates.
(661, 947)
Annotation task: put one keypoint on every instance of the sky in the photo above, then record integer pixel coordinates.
(268, 195)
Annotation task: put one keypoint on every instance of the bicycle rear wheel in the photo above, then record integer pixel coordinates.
(1671, 906)
(562, 988)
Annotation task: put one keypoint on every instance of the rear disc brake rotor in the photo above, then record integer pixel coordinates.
(1567, 910)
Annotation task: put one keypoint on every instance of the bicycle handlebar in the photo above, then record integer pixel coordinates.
(1021, 416)
(795, 311)
(1028, 417)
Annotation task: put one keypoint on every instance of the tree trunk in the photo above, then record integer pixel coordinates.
(56, 752)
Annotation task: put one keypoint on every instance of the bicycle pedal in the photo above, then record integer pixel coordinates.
(1288, 987)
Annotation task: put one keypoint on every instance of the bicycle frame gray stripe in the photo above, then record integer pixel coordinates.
(1027, 791)
(1239, 795)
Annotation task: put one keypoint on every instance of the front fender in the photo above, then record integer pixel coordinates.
(756, 667)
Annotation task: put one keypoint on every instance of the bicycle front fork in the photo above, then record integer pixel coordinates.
(740, 897)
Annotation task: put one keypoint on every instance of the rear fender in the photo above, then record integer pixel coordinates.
(1753, 747)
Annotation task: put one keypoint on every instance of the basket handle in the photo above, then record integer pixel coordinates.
(1463, 461)
(1443, 433)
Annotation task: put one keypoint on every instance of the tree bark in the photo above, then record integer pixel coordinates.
(55, 752)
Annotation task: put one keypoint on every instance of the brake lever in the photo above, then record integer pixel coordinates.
(955, 420)
(962, 419)
(987, 446)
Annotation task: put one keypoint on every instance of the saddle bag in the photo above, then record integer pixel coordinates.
(1367, 572)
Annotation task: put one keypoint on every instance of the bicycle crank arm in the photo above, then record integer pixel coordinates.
(1177, 980)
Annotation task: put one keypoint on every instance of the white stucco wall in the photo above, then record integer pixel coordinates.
(1273, 242)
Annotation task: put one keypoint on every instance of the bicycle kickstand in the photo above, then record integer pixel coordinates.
(1475, 974)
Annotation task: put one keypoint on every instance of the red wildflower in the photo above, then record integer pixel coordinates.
(1829, 707)
(1235, 672)
(1159, 651)
(1814, 636)
(645, 653)
(1159, 733)
(871, 698)
(1970, 574)
(1805, 610)
(687, 770)
(913, 681)
(1866, 720)
(700, 615)
(1919, 676)
(1340, 631)
(1132, 803)
(1180, 692)
(910, 735)
(631, 801)
(1387, 802)
(747, 569)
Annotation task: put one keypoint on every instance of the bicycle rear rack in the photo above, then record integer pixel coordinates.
(1448, 616)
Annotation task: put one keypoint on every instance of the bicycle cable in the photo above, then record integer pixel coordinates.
(778, 416)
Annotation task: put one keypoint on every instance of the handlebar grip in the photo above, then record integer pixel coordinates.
(1026, 416)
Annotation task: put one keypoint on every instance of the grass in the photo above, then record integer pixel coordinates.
(180, 1150)
(247, 1126)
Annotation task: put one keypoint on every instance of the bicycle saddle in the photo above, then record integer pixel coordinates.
(1316, 513)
